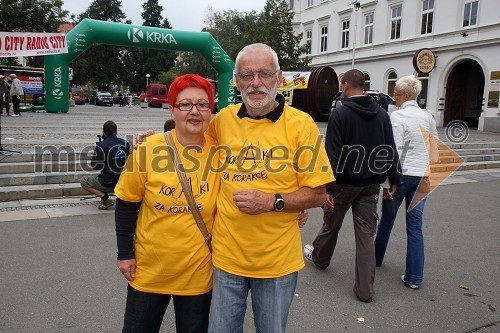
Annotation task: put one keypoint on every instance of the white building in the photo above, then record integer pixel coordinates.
(382, 38)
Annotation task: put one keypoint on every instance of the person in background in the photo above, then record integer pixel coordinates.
(16, 91)
(382, 101)
(109, 157)
(362, 152)
(4, 96)
(161, 252)
(142, 96)
(270, 176)
(169, 125)
(407, 124)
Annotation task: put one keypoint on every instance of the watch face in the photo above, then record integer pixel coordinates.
(280, 204)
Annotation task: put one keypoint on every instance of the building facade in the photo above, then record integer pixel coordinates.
(453, 46)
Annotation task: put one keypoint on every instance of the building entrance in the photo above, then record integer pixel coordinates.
(464, 93)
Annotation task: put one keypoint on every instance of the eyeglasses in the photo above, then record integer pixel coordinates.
(188, 106)
(263, 76)
(397, 94)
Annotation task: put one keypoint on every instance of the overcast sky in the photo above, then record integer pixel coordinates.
(182, 14)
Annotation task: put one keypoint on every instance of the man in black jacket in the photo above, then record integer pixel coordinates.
(361, 149)
(109, 157)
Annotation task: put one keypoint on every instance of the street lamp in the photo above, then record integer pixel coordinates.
(147, 84)
(356, 7)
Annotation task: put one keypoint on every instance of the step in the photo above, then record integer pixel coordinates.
(45, 166)
(465, 152)
(11, 193)
(469, 158)
(39, 178)
(60, 154)
(448, 167)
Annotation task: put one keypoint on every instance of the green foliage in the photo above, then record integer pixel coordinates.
(140, 62)
(233, 30)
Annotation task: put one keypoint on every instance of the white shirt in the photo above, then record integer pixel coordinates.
(16, 89)
(411, 127)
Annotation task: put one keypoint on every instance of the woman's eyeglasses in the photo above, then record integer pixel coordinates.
(188, 106)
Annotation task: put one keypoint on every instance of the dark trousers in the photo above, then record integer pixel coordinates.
(363, 201)
(16, 102)
(5, 104)
(144, 312)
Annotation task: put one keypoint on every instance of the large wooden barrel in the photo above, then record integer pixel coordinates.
(317, 98)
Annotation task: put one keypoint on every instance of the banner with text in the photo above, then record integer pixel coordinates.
(15, 44)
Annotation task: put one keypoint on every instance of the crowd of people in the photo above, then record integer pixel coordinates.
(252, 188)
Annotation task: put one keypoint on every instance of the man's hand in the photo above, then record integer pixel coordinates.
(329, 202)
(127, 268)
(253, 201)
(140, 138)
(389, 192)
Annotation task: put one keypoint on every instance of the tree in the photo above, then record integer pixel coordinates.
(149, 61)
(277, 22)
(233, 30)
(101, 65)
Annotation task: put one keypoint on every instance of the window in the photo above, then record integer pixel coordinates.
(422, 98)
(427, 16)
(309, 3)
(309, 36)
(396, 22)
(369, 28)
(391, 83)
(324, 39)
(367, 81)
(470, 13)
(291, 4)
(345, 34)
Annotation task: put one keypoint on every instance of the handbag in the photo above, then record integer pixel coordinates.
(179, 167)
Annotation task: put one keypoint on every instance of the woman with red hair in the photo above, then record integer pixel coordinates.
(161, 251)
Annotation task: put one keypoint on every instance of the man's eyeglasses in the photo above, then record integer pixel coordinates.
(188, 106)
(263, 76)
(397, 94)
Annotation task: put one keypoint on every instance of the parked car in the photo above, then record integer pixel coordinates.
(78, 95)
(101, 98)
(339, 98)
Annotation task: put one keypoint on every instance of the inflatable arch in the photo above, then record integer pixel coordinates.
(89, 31)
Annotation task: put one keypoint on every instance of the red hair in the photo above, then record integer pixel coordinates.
(190, 80)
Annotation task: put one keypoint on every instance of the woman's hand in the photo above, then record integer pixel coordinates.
(302, 218)
(127, 268)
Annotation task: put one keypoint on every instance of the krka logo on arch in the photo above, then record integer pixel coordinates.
(136, 35)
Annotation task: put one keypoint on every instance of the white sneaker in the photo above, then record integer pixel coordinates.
(15, 115)
(308, 250)
(412, 286)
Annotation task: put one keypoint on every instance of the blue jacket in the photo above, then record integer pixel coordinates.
(109, 156)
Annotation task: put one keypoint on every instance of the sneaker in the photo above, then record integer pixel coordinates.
(106, 204)
(308, 251)
(412, 286)
(15, 115)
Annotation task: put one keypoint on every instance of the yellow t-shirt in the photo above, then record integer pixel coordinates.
(273, 157)
(170, 251)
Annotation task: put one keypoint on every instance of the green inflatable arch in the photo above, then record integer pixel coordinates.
(88, 32)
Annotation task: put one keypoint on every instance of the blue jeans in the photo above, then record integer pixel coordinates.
(271, 301)
(144, 312)
(415, 239)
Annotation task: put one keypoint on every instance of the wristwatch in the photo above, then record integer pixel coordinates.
(279, 203)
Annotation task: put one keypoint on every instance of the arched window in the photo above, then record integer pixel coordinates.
(391, 82)
(367, 81)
